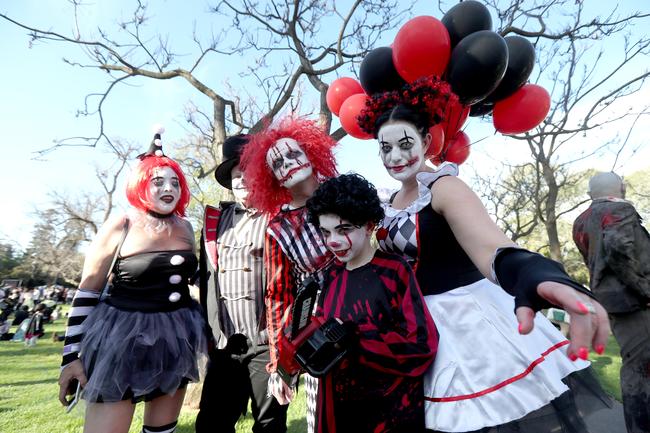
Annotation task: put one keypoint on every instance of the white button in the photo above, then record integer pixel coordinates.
(176, 260)
(158, 152)
(175, 279)
(174, 297)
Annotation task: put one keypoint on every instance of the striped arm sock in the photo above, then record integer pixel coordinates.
(83, 303)
(169, 428)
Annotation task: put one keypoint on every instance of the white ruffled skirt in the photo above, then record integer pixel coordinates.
(485, 372)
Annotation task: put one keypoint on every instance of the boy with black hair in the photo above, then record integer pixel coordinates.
(378, 386)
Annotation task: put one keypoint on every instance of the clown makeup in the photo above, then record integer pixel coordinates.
(349, 243)
(164, 190)
(238, 187)
(401, 149)
(288, 162)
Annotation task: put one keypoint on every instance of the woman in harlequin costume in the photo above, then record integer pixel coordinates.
(378, 385)
(283, 166)
(140, 343)
(494, 371)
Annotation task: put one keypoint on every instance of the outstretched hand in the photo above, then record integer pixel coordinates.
(73, 371)
(589, 323)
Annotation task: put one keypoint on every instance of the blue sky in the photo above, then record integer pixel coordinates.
(41, 95)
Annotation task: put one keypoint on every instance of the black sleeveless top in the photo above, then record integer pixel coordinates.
(423, 236)
(153, 281)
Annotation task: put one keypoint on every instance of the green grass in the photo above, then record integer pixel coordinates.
(607, 367)
(28, 401)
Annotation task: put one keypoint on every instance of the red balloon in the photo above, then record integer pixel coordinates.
(455, 116)
(340, 90)
(350, 109)
(458, 148)
(437, 140)
(422, 47)
(521, 111)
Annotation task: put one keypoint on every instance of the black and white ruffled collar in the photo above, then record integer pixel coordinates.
(425, 180)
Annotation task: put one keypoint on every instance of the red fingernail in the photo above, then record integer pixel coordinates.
(519, 328)
(583, 353)
(600, 349)
(583, 308)
(572, 356)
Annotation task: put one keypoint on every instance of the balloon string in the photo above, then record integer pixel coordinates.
(478, 141)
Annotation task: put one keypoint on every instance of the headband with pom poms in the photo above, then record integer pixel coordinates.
(155, 148)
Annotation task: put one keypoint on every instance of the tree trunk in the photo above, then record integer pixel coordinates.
(551, 212)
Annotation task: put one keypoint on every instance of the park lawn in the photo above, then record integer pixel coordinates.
(607, 367)
(29, 402)
(28, 380)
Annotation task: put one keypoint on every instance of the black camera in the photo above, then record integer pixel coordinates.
(312, 344)
(324, 348)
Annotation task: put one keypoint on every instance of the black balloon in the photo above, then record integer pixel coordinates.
(521, 60)
(466, 18)
(477, 65)
(481, 109)
(377, 72)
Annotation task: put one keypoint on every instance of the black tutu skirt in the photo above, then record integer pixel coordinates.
(138, 356)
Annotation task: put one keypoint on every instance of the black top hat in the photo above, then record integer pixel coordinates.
(231, 151)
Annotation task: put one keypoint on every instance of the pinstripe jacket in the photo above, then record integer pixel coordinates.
(232, 279)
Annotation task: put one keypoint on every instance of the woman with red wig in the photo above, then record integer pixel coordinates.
(283, 166)
(142, 341)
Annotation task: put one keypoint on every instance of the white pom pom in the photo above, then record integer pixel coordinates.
(157, 129)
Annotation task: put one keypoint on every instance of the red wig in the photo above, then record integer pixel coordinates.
(264, 190)
(137, 189)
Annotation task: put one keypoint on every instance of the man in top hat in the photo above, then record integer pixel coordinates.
(616, 249)
(232, 289)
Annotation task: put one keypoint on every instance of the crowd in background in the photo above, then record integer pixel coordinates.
(25, 311)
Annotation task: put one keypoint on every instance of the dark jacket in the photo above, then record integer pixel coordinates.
(616, 249)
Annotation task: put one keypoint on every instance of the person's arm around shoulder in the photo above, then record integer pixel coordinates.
(96, 267)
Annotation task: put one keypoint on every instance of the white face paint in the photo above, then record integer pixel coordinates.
(288, 162)
(237, 182)
(402, 149)
(347, 241)
(164, 190)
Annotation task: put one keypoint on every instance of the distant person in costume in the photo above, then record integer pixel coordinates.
(233, 288)
(283, 166)
(141, 343)
(494, 370)
(379, 384)
(35, 329)
(616, 249)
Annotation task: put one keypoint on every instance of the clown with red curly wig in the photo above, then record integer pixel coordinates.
(143, 341)
(268, 192)
(283, 166)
